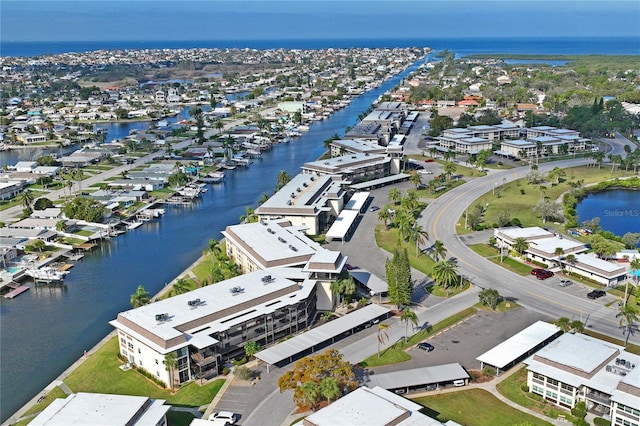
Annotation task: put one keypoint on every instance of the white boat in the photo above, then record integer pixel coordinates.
(213, 177)
(134, 225)
(46, 274)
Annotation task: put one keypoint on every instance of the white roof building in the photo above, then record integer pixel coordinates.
(103, 410)
(576, 367)
(602, 271)
(370, 407)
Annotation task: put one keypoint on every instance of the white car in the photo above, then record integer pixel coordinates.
(425, 172)
(223, 418)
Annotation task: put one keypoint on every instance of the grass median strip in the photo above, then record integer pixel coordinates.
(396, 353)
(493, 255)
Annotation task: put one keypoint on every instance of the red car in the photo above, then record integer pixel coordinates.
(541, 274)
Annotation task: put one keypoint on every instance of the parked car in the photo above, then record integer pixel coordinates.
(596, 294)
(544, 275)
(374, 208)
(425, 172)
(458, 383)
(428, 347)
(565, 283)
(224, 417)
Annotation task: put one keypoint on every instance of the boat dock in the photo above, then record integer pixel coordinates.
(16, 290)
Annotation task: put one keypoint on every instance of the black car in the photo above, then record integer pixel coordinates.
(595, 294)
(425, 346)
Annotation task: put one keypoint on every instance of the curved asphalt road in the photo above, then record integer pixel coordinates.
(440, 218)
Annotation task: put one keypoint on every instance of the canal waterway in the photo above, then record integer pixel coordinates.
(46, 329)
(618, 210)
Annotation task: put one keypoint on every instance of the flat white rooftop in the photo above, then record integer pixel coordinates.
(272, 242)
(519, 344)
(213, 298)
(100, 409)
(579, 352)
(357, 201)
(527, 233)
(549, 245)
(592, 261)
(370, 407)
(341, 226)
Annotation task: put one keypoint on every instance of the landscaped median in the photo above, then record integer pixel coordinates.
(396, 353)
(493, 254)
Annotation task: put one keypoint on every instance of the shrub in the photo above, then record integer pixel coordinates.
(240, 361)
(150, 376)
(242, 373)
(580, 422)
(535, 396)
(599, 421)
(488, 371)
(522, 191)
(225, 371)
(524, 388)
(580, 409)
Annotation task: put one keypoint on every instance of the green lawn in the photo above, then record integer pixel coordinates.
(52, 395)
(101, 374)
(520, 205)
(512, 388)
(84, 233)
(493, 255)
(475, 407)
(204, 268)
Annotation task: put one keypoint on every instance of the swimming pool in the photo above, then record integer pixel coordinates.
(13, 269)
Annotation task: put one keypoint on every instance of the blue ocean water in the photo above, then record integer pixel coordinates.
(462, 46)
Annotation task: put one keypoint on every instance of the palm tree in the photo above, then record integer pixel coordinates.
(415, 179)
(329, 388)
(61, 226)
(419, 235)
(520, 245)
(450, 169)
(563, 323)
(635, 266)
(628, 319)
(26, 199)
(385, 215)
(571, 260)
(140, 298)
(215, 248)
(283, 179)
(407, 315)
(445, 273)
(219, 126)
(395, 195)
(180, 286)
(438, 251)
(170, 364)
(383, 335)
(250, 215)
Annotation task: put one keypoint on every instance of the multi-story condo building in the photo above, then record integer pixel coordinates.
(576, 367)
(209, 326)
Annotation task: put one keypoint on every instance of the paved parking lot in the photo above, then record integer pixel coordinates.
(468, 340)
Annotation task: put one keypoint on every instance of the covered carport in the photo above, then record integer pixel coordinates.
(424, 378)
(358, 202)
(519, 346)
(377, 183)
(374, 284)
(343, 225)
(320, 336)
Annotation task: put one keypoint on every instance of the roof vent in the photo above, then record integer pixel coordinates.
(292, 248)
(267, 279)
(293, 195)
(289, 202)
(271, 231)
(194, 303)
(162, 317)
(305, 184)
(264, 223)
(313, 178)
(282, 240)
(298, 190)
(236, 290)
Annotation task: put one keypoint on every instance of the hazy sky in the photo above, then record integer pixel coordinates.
(37, 20)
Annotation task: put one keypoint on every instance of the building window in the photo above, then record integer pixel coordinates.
(551, 395)
(537, 389)
(566, 400)
(130, 345)
(551, 382)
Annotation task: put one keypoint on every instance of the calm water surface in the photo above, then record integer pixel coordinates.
(618, 210)
(46, 329)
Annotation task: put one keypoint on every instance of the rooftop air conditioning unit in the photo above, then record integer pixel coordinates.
(298, 190)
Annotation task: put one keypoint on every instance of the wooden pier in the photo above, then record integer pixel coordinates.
(16, 290)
